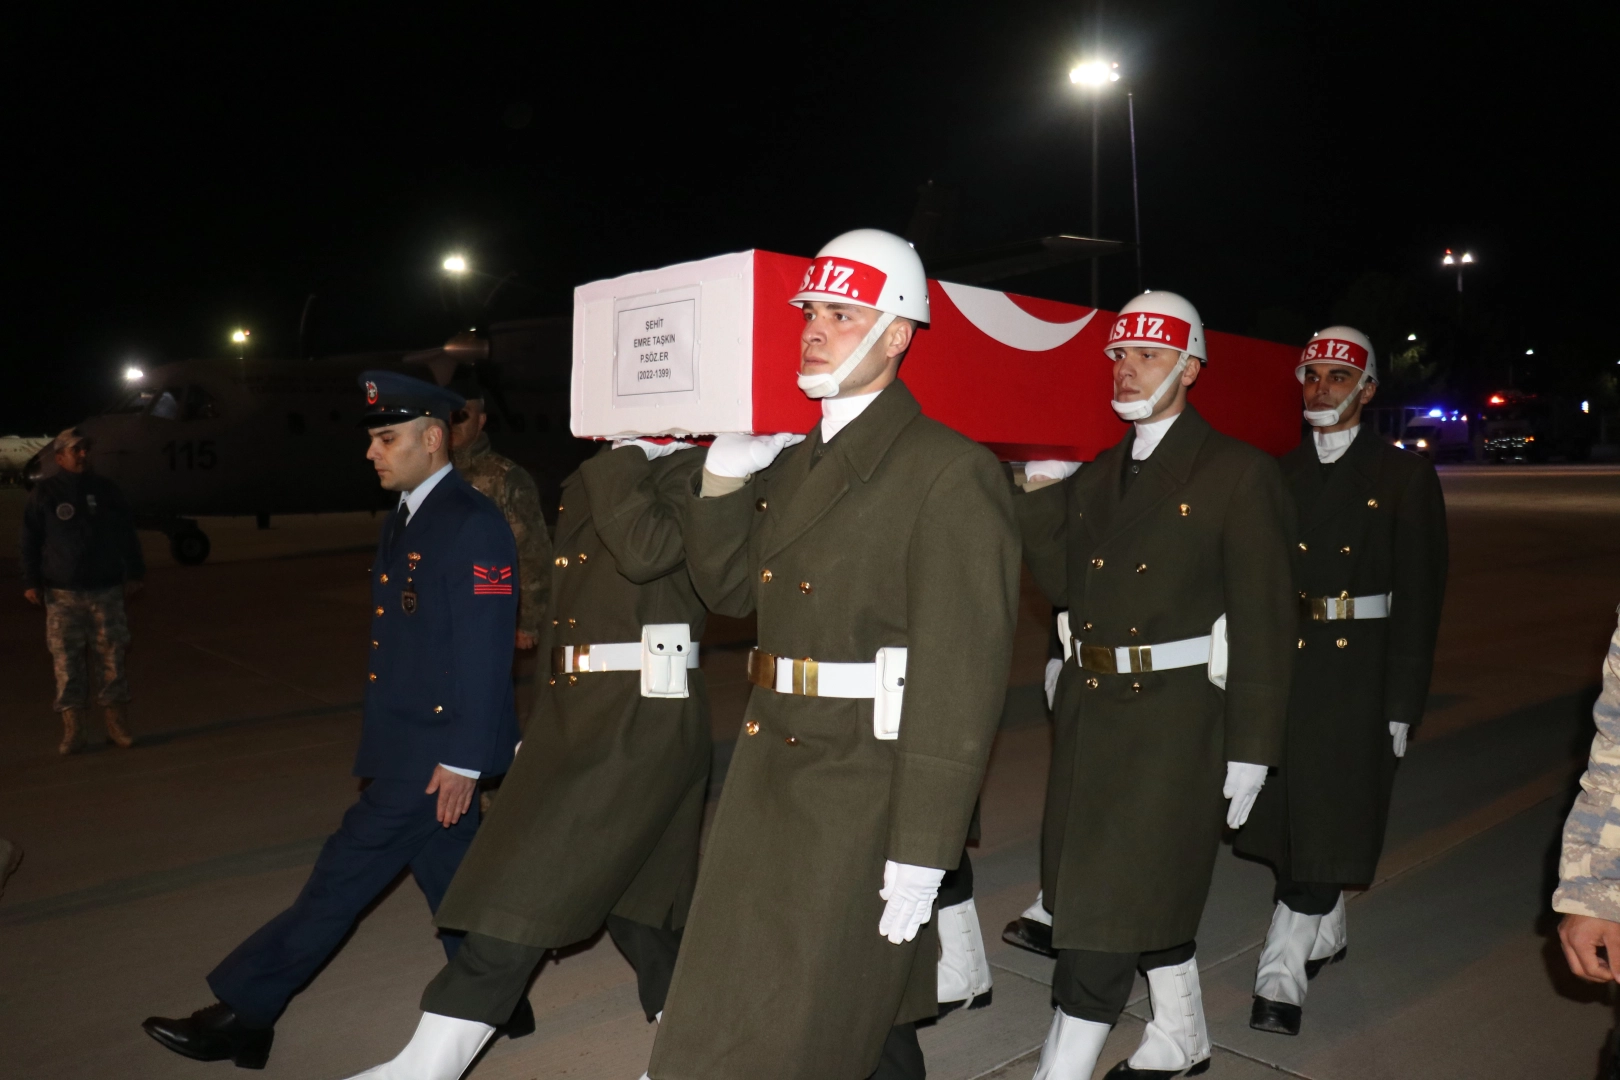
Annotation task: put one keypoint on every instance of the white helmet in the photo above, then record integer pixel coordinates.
(1156, 320)
(871, 268)
(1342, 346)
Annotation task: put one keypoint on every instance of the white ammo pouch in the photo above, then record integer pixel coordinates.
(1345, 606)
(884, 681)
(1209, 650)
(663, 656)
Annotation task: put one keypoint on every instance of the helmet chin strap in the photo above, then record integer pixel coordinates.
(827, 384)
(1329, 417)
(1141, 410)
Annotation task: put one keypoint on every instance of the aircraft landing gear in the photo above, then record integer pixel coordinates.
(188, 544)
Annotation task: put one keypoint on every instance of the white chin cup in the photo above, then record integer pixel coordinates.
(827, 384)
(1141, 410)
(1329, 417)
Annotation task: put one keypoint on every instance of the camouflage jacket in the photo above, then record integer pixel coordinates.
(1589, 868)
(512, 489)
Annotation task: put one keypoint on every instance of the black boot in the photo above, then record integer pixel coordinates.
(1123, 1071)
(1314, 967)
(213, 1034)
(520, 1023)
(1278, 1017)
(1031, 935)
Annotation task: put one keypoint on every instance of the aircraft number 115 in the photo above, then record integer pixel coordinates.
(190, 455)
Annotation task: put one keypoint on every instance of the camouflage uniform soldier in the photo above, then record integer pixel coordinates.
(1589, 869)
(511, 488)
(80, 558)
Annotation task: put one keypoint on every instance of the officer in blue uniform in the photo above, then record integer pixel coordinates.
(438, 715)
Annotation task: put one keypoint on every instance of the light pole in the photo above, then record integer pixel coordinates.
(1459, 261)
(1095, 75)
(240, 337)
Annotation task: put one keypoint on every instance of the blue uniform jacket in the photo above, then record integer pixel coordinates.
(444, 610)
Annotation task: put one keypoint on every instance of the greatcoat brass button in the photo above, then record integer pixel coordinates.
(1136, 687)
(1085, 626)
(379, 611)
(554, 680)
(373, 676)
(760, 505)
(752, 727)
(1345, 550)
(1372, 504)
(1092, 682)
(570, 624)
(373, 644)
(1133, 631)
(804, 587)
(582, 557)
(438, 708)
(1141, 568)
(1185, 510)
(573, 679)
(1096, 564)
(1302, 643)
(765, 575)
(384, 579)
(1342, 642)
(1302, 546)
(562, 560)
(792, 740)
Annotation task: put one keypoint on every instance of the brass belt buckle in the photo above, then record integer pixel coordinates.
(1314, 608)
(1141, 657)
(762, 668)
(806, 676)
(1098, 659)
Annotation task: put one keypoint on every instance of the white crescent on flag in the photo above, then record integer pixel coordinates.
(997, 316)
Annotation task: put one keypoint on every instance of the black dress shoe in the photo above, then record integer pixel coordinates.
(1314, 966)
(520, 1023)
(1123, 1071)
(213, 1034)
(1275, 1016)
(980, 1002)
(1031, 935)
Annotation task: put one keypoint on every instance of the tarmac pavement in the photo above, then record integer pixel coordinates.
(145, 867)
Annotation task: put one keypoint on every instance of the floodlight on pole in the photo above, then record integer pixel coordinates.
(1459, 261)
(240, 336)
(455, 264)
(1097, 73)
(133, 374)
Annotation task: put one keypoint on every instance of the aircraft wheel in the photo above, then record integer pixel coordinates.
(189, 547)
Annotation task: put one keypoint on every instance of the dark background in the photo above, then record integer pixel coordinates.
(173, 176)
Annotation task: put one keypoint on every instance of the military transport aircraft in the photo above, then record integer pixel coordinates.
(267, 437)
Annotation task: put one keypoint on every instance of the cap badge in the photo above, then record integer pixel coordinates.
(371, 393)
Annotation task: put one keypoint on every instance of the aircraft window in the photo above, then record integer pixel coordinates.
(168, 405)
(295, 423)
(200, 404)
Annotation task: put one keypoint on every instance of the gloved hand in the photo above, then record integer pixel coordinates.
(654, 450)
(910, 891)
(1054, 668)
(1399, 732)
(1243, 784)
(1050, 470)
(744, 455)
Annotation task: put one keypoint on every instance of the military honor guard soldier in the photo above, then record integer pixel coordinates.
(599, 818)
(881, 559)
(1370, 570)
(1171, 553)
(438, 713)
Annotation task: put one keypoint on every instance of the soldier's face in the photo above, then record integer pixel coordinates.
(832, 331)
(403, 454)
(466, 423)
(1326, 385)
(75, 458)
(1138, 373)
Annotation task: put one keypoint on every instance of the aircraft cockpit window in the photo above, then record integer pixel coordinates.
(167, 406)
(200, 404)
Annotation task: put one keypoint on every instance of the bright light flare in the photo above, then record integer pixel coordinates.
(241, 336)
(1498, 399)
(1436, 412)
(1449, 260)
(133, 374)
(1411, 337)
(1586, 406)
(455, 264)
(1467, 258)
(1094, 73)
(1529, 352)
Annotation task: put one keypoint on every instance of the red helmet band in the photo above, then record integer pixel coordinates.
(838, 279)
(1146, 329)
(1335, 351)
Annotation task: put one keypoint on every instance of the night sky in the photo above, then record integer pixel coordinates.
(173, 176)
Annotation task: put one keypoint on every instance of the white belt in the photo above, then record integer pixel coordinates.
(811, 678)
(1162, 657)
(1334, 608)
(618, 656)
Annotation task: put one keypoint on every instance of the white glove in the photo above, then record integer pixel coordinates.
(1399, 731)
(1243, 784)
(910, 891)
(1054, 668)
(653, 450)
(1050, 470)
(741, 456)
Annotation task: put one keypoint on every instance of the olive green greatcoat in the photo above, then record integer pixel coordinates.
(601, 810)
(1372, 522)
(900, 535)
(1134, 810)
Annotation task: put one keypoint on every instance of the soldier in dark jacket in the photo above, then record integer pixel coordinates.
(80, 559)
(1370, 568)
(438, 714)
(1171, 553)
(599, 819)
